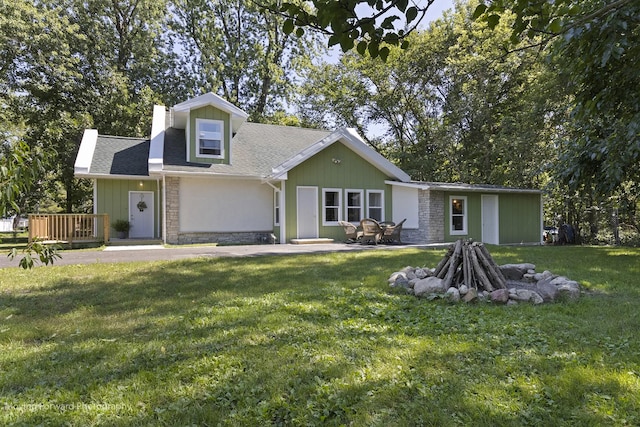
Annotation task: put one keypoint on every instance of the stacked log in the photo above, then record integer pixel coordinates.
(470, 263)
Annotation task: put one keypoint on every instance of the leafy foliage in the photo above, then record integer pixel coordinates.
(371, 26)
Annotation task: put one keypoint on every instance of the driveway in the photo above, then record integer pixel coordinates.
(156, 253)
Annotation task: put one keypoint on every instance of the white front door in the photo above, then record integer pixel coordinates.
(307, 212)
(490, 227)
(141, 214)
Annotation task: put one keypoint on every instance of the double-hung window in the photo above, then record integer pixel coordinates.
(331, 206)
(354, 204)
(458, 215)
(276, 208)
(375, 205)
(210, 140)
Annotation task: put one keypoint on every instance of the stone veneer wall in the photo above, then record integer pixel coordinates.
(430, 219)
(172, 193)
(175, 237)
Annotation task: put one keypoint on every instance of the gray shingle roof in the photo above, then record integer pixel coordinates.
(255, 150)
(117, 155)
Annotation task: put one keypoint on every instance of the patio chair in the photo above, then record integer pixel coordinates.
(371, 231)
(392, 234)
(352, 232)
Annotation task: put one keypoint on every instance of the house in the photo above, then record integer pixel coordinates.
(205, 174)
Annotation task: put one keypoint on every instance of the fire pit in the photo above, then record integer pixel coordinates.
(468, 273)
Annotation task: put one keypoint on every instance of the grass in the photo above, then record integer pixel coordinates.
(315, 340)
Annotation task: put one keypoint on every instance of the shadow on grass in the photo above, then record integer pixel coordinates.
(313, 339)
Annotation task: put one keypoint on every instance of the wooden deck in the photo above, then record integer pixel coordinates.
(69, 228)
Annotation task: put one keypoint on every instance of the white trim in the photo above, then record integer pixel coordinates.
(283, 213)
(465, 214)
(237, 115)
(85, 152)
(472, 188)
(187, 136)
(324, 206)
(156, 146)
(109, 176)
(382, 207)
(346, 202)
(352, 140)
(277, 206)
(164, 209)
(158, 208)
(198, 153)
(94, 182)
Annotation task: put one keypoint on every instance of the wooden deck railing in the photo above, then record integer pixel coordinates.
(69, 228)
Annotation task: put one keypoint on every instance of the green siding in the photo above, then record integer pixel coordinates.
(113, 198)
(519, 217)
(474, 220)
(320, 171)
(210, 113)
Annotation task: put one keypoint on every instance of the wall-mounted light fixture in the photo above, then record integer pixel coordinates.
(336, 161)
(141, 184)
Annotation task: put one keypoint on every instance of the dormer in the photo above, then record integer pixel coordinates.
(209, 123)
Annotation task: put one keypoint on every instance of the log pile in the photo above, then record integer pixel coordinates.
(470, 263)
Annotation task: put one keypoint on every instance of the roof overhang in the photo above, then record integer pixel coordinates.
(181, 111)
(84, 158)
(351, 139)
(455, 186)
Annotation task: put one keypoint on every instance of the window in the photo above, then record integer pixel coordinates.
(375, 205)
(354, 205)
(458, 214)
(210, 141)
(276, 207)
(331, 206)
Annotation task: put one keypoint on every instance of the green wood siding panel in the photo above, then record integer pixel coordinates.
(113, 198)
(474, 220)
(210, 113)
(520, 218)
(321, 171)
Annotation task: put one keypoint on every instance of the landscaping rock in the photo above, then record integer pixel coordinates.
(472, 295)
(453, 294)
(500, 296)
(463, 289)
(429, 285)
(515, 271)
(527, 296)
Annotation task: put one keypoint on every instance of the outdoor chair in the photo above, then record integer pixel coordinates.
(371, 231)
(392, 234)
(352, 232)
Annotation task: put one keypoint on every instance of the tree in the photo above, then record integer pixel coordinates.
(596, 45)
(234, 49)
(453, 106)
(372, 26)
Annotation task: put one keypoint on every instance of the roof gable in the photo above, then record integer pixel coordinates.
(350, 138)
(181, 111)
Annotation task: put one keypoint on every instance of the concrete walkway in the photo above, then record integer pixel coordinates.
(112, 254)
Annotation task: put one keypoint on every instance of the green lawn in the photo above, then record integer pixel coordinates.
(315, 340)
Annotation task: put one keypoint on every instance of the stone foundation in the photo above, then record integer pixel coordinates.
(237, 238)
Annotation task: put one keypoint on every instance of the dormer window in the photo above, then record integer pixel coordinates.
(210, 140)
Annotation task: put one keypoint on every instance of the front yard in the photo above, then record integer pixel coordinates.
(315, 340)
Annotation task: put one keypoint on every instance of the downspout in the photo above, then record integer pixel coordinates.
(164, 209)
(283, 214)
(158, 206)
